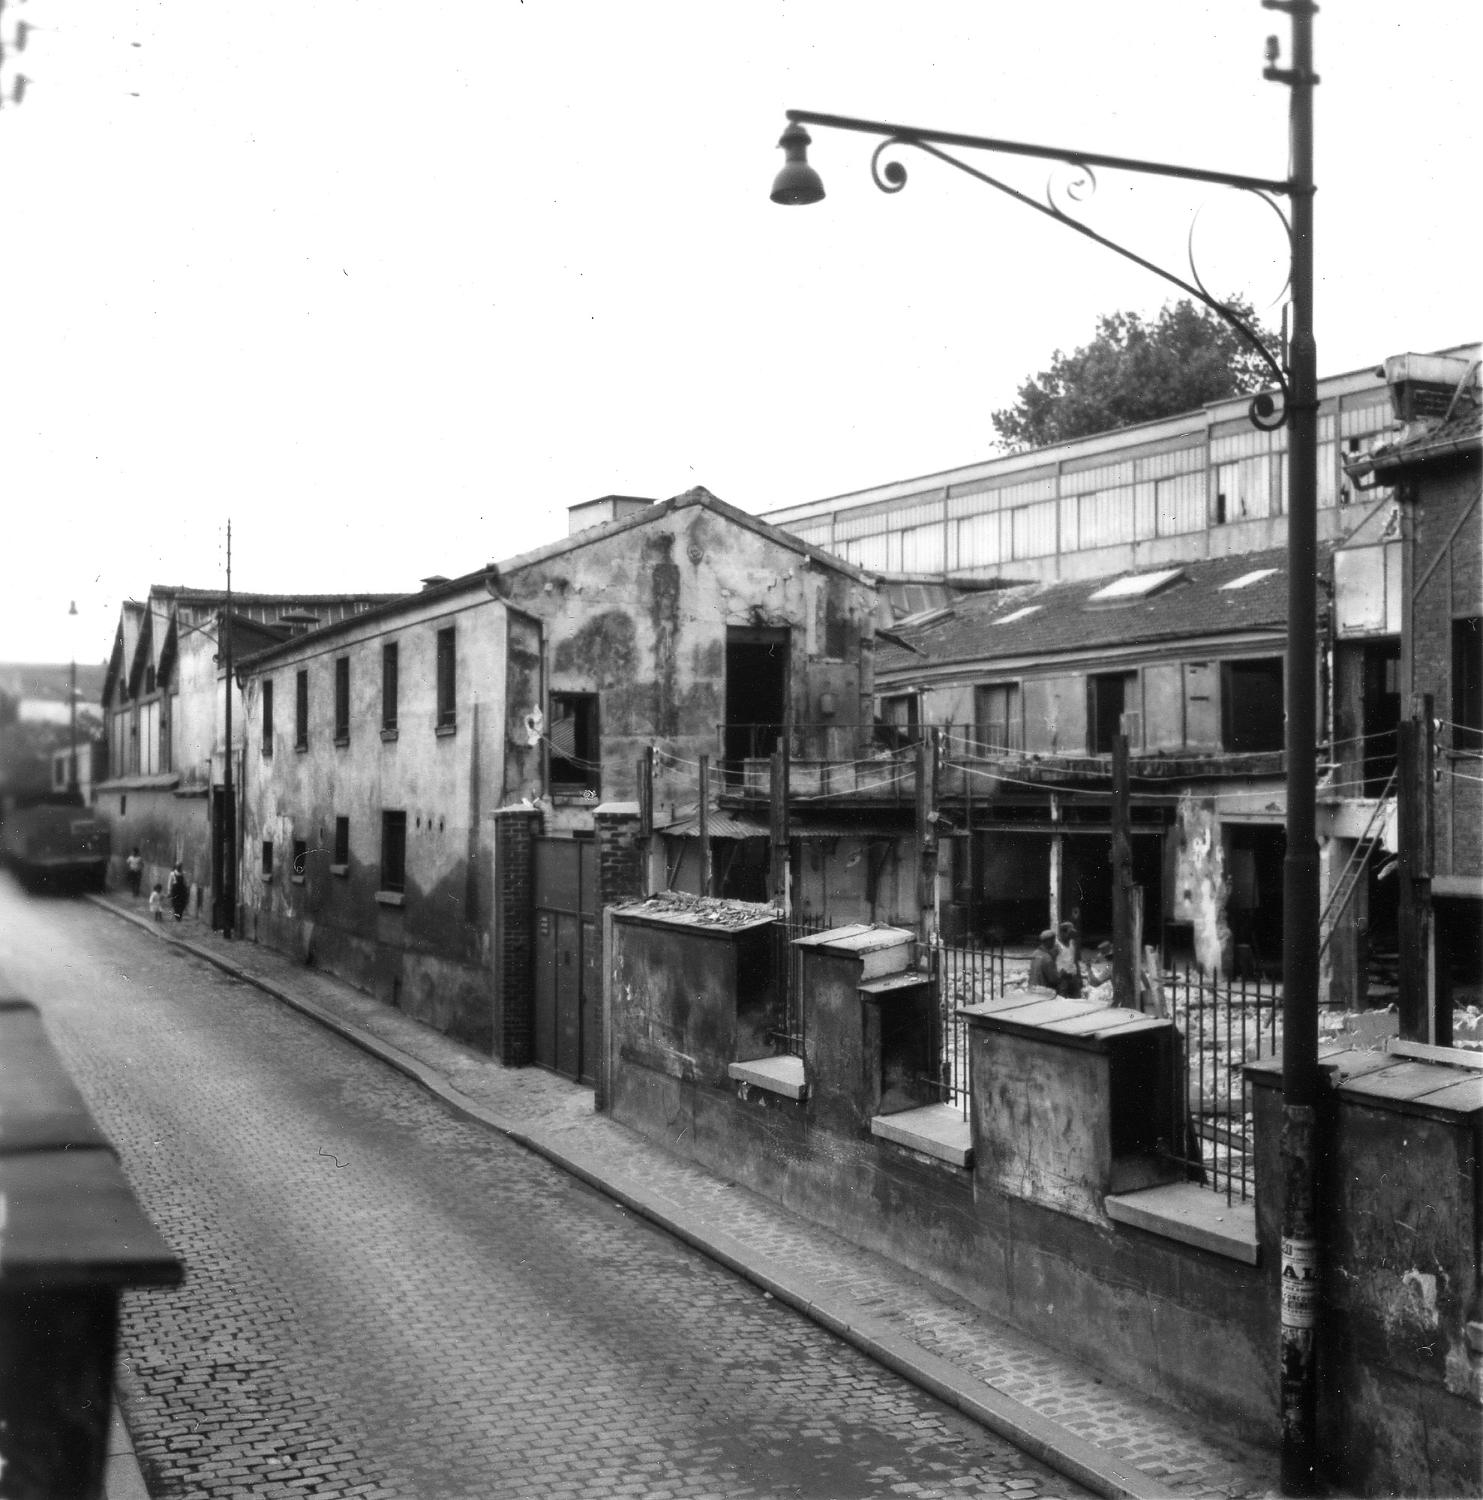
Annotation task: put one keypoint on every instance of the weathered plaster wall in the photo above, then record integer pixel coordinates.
(165, 827)
(430, 953)
(641, 619)
(1172, 1319)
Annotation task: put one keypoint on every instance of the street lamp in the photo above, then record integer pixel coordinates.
(1295, 373)
(72, 706)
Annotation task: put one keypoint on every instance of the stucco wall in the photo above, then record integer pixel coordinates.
(641, 619)
(429, 952)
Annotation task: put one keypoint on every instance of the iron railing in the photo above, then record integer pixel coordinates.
(960, 976)
(1222, 1025)
(788, 1036)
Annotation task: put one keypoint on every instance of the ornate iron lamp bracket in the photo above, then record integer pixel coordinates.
(890, 177)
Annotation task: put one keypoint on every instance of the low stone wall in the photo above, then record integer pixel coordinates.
(1172, 1318)
(1055, 1212)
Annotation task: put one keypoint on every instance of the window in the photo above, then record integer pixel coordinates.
(342, 843)
(997, 717)
(1467, 684)
(1109, 696)
(389, 687)
(1252, 717)
(301, 710)
(899, 723)
(267, 866)
(393, 851)
(301, 860)
(342, 700)
(268, 717)
(573, 738)
(447, 673)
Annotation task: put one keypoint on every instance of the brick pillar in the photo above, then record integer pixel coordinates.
(515, 829)
(622, 859)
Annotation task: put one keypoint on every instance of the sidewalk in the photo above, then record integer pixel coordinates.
(1112, 1440)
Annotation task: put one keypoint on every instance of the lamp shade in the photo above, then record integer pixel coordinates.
(797, 182)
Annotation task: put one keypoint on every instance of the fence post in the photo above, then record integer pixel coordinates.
(705, 825)
(1124, 939)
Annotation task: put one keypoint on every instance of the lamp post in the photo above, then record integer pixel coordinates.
(72, 706)
(1294, 370)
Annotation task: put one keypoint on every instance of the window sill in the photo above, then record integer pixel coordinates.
(266, 879)
(302, 749)
(391, 898)
(446, 731)
(388, 735)
(341, 870)
(936, 1130)
(776, 1075)
(341, 740)
(296, 880)
(575, 795)
(1191, 1214)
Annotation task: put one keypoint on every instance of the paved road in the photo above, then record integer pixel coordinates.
(385, 1301)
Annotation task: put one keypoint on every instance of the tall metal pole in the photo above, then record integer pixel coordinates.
(72, 710)
(1300, 1279)
(228, 832)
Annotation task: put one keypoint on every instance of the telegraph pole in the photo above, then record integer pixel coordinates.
(227, 836)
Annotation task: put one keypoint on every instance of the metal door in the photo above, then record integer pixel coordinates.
(567, 989)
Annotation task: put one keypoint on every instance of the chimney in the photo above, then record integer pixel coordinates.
(592, 513)
(433, 580)
(1422, 385)
(299, 622)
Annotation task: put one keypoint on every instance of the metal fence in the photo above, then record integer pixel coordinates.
(788, 966)
(1222, 1024)
(961, 976)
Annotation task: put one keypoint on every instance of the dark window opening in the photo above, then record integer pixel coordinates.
(342, 700)
(389, 686)
(1252, 710)
(1110, 695)
(267, 859)
(756, 694)
(447, 675)
(393, 851)
(899, 722)
(342, 841)
(301, 857)
(301, 711)
(575, 761)
(148, 681)
(1380, 712)
(1467, 684)
(268, 718)
(996, 716)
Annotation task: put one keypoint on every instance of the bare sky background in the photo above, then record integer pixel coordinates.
(391, 286)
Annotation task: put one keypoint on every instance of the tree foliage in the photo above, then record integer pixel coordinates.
(1136, 370)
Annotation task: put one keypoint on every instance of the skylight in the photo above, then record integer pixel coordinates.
(1016, 614)
(1135, 586)
(1247, 579)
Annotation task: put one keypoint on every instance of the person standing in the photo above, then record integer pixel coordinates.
(1068, 961)
(1042, 974)
(134, 872)
(180, 890)
(157, 904)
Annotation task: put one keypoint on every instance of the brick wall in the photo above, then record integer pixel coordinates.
(621, 860)
(515, 829)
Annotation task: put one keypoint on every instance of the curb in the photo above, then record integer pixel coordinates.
(1038, 1436)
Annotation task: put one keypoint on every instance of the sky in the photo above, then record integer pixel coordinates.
(389, 287)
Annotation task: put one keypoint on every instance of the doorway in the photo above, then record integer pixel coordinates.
(568, 958)
(756, 695)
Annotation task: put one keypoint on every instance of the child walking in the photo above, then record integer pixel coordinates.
(157, 903)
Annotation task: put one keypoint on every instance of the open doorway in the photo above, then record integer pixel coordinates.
(756, 695)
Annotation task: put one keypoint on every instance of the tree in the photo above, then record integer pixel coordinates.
(1136, 371)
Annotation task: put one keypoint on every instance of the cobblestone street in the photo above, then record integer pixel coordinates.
(385, 1301)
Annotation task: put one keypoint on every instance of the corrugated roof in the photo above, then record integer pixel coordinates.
(1062, 619)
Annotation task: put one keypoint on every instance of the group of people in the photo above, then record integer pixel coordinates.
(178, 895)
(1056, 965)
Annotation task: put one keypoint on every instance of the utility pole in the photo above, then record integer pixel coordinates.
(72, 710)
(1421, 1019)
(1301, 1272)
(227, 837)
